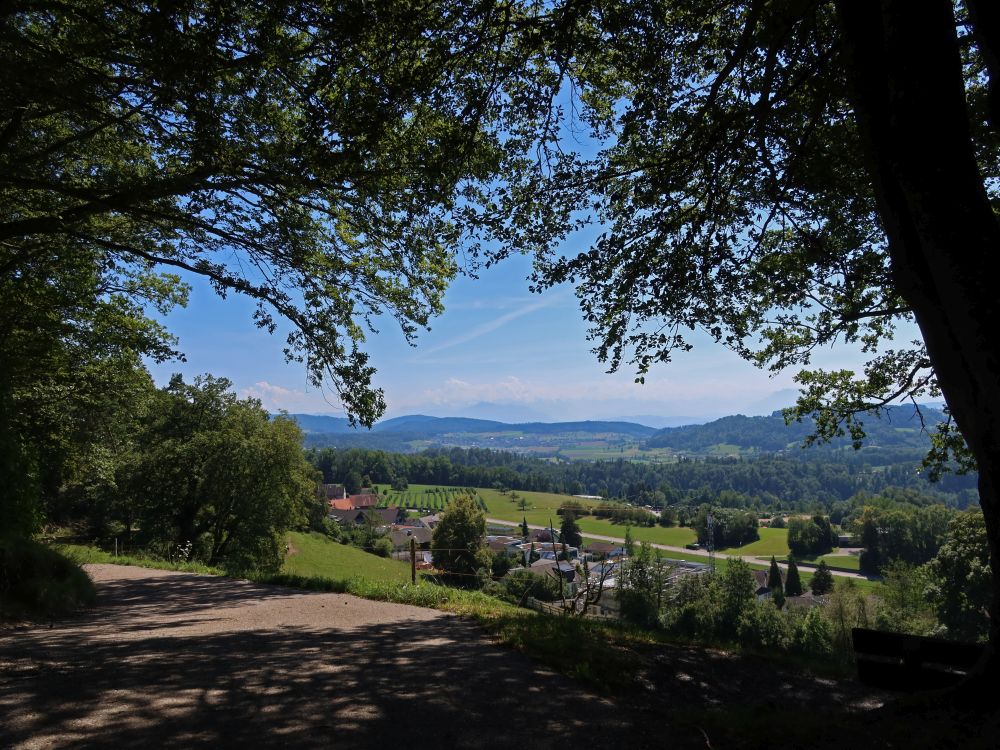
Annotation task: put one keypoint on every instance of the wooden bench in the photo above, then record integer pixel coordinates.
(911, 663)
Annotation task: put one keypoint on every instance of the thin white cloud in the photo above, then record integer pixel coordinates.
(276, 398)
(488, 327)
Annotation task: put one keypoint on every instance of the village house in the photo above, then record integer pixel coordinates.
(356, 516)
(333, 491)
(761, 591)
(430, 521)
(400, 536)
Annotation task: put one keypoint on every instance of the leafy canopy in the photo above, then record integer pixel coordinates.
(320, 158)
(733, 196)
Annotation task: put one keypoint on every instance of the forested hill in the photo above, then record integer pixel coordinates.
(433, 426)
(417, 432)
(899, 427)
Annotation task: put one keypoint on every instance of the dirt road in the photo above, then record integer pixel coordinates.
(179, 660)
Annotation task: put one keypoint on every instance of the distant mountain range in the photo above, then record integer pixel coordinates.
(898, 429)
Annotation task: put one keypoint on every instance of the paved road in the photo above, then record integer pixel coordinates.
(179, 660)
(684, 550)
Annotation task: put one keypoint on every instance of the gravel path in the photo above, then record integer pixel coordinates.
(179, 660)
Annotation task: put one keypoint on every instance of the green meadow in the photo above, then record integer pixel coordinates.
(314, 555)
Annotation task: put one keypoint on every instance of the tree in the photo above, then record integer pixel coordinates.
(774, 575)
(338, 192)
(732, 528)
(822, 580)
(640, 592)
(525, 531)
(793, 584)
(569, 531)
(217, 473)
(960, 585)
(457, 542)
(811, 536)
(736, 586)
(767, 177)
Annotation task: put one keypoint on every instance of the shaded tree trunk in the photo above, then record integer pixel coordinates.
(904, 66)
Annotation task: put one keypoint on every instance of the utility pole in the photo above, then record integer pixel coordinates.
(711, 540)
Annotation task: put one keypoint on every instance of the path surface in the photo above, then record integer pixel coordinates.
(179, 660)
(697, 552)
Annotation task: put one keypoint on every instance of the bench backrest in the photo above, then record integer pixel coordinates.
(909, 662)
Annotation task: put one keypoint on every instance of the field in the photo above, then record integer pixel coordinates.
(771, 542)
(425, 497)
(541, 507)
(316, 555)
(848, 562)
(594, 451)
(845, 562)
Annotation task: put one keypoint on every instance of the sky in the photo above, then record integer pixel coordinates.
(497, 352)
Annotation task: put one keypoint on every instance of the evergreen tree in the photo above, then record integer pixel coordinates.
(629, 544)
(569, 531)
(774, 575)
(525, 531)
(778, 597)
(793, 585)
(822, 580)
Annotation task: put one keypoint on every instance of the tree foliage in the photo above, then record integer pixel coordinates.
(822, 580)
(774, 580)
(898, 531)
(793, 583)
(811, 536)
(319, 158)
(960, 581)
(457, 542)
(219, 474)
(569, 531)
(732, 527)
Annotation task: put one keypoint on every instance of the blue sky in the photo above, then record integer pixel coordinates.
(497, 352)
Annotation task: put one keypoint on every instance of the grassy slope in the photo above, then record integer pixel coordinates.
(319, 556)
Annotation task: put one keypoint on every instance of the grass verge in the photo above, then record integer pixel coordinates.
(82, 553)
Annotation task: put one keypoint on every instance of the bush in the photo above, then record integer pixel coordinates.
(37, 581)
(517, 586)
(638, 608)
(382, 547)
(813, 636)
(761, 625)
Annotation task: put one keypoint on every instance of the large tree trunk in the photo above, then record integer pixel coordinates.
(905, 70)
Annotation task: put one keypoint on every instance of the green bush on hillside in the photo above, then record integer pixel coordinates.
(37, 581)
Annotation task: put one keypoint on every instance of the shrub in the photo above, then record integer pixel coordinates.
(763, 626)
(813, 635)
(382, 547)
(37, 581)
(517, 586)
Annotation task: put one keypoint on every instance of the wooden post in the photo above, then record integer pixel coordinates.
(413, 560)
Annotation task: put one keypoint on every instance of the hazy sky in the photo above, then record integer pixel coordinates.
(497, 352)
